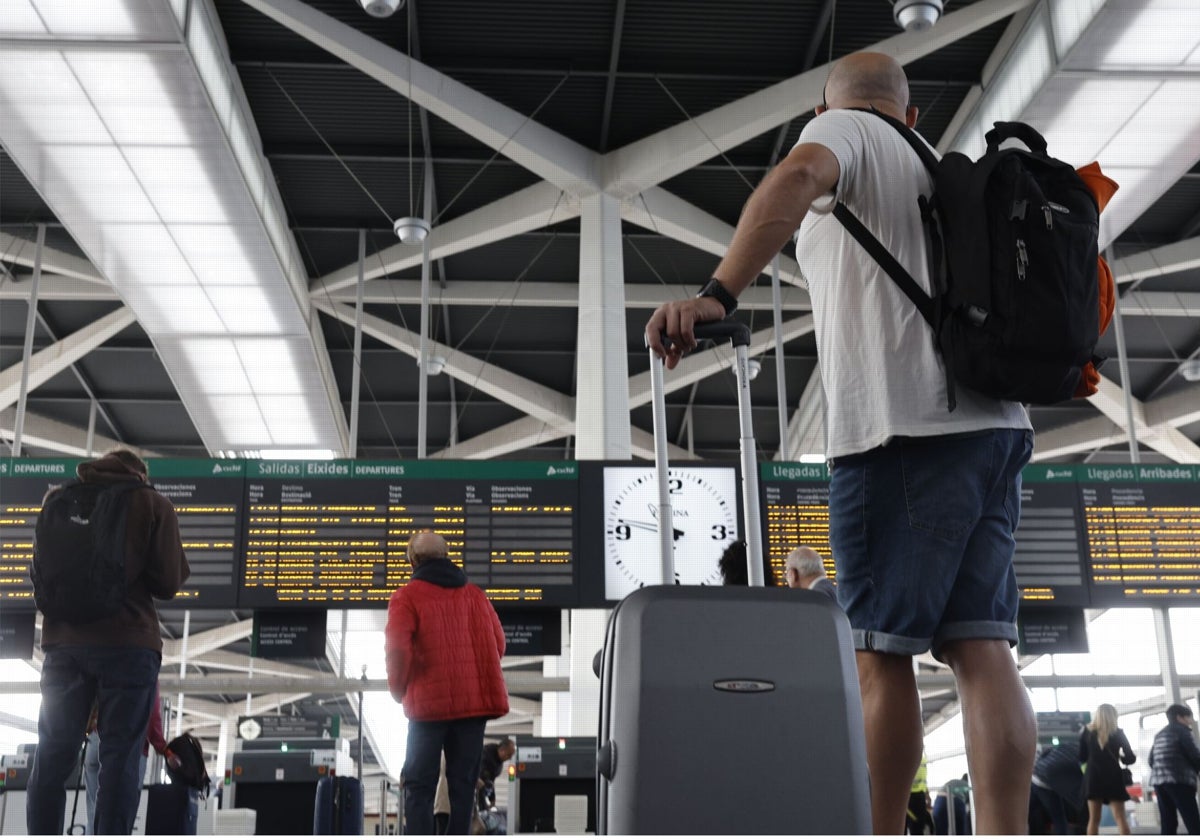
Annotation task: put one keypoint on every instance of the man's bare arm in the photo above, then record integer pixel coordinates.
(771, 215)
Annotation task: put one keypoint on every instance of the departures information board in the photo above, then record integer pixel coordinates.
(207, 495)
(1143, 533)
(23, 484)
(336, 532)
(794, 500)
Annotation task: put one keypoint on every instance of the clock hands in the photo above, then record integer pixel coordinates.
(648, 526)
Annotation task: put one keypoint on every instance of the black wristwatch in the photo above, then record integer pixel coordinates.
(714, 289)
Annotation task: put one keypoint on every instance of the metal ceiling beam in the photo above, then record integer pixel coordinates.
(228, 661)
(610, 83)
(1163, 437)
(673, 151)
(530, 431)
(84, 382)
(532, 208)
(18, 250)
(196, 707)
(44, 433)
(563, 295)
(17, 722)
(1150, 304)
(975, 91)
(511, 437)
(806, 429)
(701, 365)
(1158, 262)
(669, 215)
(294, 688)
(536, 400)
(642, 446)
(286, 690)
(59, 287)
(53, 360)
(1181, 408)
(1073, 438)
(206, 641)
(1159, 415)
(932, 682)
(564, 163)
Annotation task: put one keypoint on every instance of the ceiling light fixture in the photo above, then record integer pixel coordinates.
(381, 8)
(917, 15)
(412, 230)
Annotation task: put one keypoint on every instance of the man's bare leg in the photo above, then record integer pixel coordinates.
(1000, 732)
(892, 718)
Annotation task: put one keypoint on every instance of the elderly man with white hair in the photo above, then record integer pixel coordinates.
(804, 569)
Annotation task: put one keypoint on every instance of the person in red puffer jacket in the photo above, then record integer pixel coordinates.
(443, 643)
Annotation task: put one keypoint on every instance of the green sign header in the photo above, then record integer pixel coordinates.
(793, 471)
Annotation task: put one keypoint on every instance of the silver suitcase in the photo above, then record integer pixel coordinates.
(729, 710)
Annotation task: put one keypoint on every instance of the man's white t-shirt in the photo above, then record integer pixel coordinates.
(882, 375)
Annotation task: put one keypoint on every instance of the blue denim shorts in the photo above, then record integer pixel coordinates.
(922, 535)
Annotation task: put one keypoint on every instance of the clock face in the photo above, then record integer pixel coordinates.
(704, 520)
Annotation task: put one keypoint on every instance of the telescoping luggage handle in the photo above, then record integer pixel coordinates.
(738, 334)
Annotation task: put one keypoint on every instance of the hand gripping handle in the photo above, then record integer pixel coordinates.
(729, 329)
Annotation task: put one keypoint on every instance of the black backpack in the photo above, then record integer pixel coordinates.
(1013, 248)
(78, 567)
(191, 771)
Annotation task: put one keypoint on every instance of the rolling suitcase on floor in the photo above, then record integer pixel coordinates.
(729, 710)
(172, 809)
(339, 806)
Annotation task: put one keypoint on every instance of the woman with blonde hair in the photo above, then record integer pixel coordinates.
(1103, 747)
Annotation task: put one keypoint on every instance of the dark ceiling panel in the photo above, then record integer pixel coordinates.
(714, 36)
(20, 203)
(165, 427)
(1169, 217)
(533, 257)
(132, 372)
(482, 33)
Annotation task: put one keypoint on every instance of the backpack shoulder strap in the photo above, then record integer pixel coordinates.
(924, 303)
(918, 145)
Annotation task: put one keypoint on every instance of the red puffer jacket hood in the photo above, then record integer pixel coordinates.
(444, 643)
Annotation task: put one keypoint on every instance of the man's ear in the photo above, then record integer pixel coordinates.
(820, 109)
(910, 116)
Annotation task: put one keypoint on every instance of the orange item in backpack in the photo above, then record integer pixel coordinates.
(1102, 188)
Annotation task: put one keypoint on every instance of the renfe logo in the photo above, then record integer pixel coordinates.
(744, 686)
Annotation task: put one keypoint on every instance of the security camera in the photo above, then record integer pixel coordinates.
(381, 8)
(917, 15)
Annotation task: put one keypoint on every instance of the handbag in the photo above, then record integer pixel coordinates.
(1126, 776)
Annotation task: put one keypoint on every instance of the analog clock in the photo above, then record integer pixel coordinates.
(705, 521)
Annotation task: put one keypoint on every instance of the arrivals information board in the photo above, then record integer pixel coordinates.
(1050, 556)
(794, 501)
(1143, 533)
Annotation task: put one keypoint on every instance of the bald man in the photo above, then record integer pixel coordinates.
(804, 569)
(443, 643)
(923, 502)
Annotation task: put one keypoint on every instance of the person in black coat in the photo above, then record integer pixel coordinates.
(1103, 747)
(1174, 761)
(1057, 785)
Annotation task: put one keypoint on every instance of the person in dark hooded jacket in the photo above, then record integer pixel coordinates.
(443, 644)
(112, 662)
